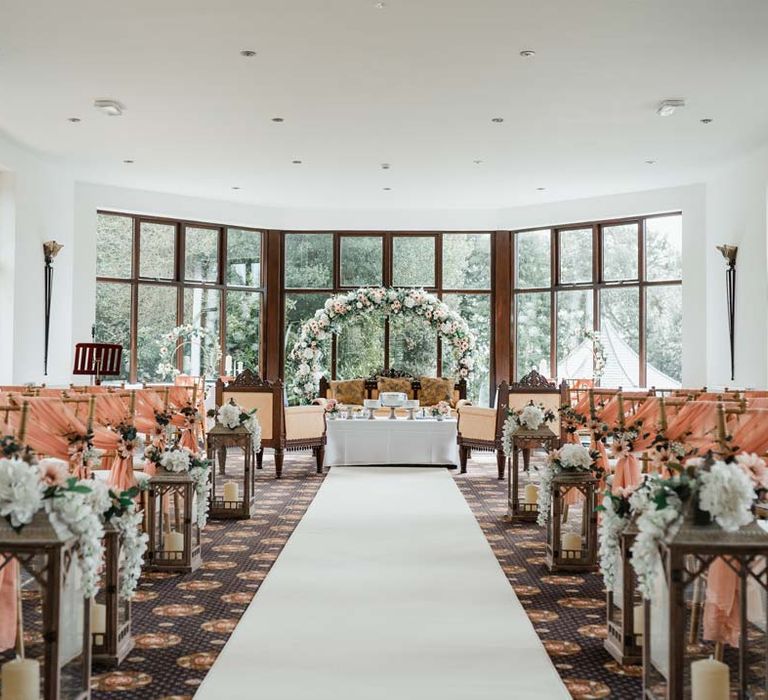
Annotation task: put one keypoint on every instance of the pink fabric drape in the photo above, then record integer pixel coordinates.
(721, 607)
(751, 432)
(627, 473)
(8, 597)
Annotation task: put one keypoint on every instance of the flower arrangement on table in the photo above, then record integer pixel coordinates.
(231, 415)
(177, 337)
(330, 319)
(332, 408)
(530, 417)
(440, 410)
(570, 458)
(28, 487)
(180, 459)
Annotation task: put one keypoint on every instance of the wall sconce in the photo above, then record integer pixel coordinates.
(729, 253)
(50, 251)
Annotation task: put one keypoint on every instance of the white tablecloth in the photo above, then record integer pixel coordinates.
(384, 441)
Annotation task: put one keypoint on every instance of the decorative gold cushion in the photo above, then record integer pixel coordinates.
(350, 391)
(396, 384)
(434, 390)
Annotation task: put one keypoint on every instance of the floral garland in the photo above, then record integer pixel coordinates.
(370, 300)
(180, 336)
(569, 458)
(599, 357)
(530, 417)
(615, 518)
(180, 459)
(571, 420)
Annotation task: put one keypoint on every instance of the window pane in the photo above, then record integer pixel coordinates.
(467, 261)
(157, 316)
(114, 243)
(664, 322)
(309, 260)
(664, 247)
(157, 243)
(576, 256)
(113, 318)
(360, 347)
(243, 258)
(620, 252)
(201, 309)
(361, 260)
(244, 328)
(574, 351)
(413, 261)
(533, 258)
(412, 345)
(532, 333)
(619, 328)
(300, 308)
(475, 309)
(201, 254)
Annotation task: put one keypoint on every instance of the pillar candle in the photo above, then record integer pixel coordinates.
(709, 680)
(21, 680)
(228, 364)
(531, 493)
(230, 492)
(572, 541)
(638, 619)
(173, 542)
(98, 618)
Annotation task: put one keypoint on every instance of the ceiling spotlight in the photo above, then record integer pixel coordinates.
(497, 120)
(667, 108)
(296, 162)
(477, 162)
(235, 187)
(386, 189)
(247, 53)
(650, 162)
(128, 161)
(540, 189)
(385, 166)
(111, 108)
(706, 121)
(74, 120)
(527, 53)
(278, 119)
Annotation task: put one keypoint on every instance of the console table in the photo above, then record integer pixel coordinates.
(384, 441)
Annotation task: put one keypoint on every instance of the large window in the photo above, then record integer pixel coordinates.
(455, 266)
(155, 274)
(622, 279)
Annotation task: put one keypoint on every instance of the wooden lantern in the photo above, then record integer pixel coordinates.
(526, 510)
(673, 637)
(51, 560)
(568, 551)
(111, 612)
(624, 607)
(174, 536)
(223, 505)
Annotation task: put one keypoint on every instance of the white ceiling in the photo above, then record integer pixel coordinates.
(414, 84)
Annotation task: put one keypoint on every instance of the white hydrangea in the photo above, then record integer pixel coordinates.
(229, 415)
(531, 417)
(176, 460)
(21, 491)
(726, 492)
(575, 456)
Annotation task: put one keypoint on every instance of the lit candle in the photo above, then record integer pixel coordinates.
(638, 619)
(98, 618)
(230, 493)
(709, 680)
(21, 680)
(531, 493)
(228, 364)
(173, 542)
(571, 541)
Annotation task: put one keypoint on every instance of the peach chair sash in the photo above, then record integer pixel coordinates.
(8, 601)
(722, 611)
(694, 423)
(627, 474)
(751, 432)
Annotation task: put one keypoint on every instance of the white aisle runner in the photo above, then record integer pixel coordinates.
(387, 590)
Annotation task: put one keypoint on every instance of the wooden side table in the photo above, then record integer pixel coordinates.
(524, 439)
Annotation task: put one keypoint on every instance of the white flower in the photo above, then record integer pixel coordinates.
(134, 545)
(309, 353)
(611, 528)
(575, 456)
(176, 460)
(546, 474)
(202, 488)
(653, 525)
(21, 491)
(99, 497)
(726, 492)
(532, 417)
(229, 415)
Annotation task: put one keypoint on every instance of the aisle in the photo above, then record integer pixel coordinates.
(386, 590)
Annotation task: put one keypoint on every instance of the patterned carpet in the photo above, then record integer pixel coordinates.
(181, 622)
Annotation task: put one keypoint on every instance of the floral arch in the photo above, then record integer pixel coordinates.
(387, 301)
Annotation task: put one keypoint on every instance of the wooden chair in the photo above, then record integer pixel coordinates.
(481, 428)
(282, 428)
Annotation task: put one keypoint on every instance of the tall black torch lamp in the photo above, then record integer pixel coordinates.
(50, 251)
(729, 253)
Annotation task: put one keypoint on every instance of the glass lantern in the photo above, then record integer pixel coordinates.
(230, 499)
(59, 666)
(110, 611)
(577, 550)
(705, 627)
(527, 509)
(174, 536)
(624, 607)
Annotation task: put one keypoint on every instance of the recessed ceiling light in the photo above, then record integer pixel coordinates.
(74, 120)
(128, 161)
(296, 162)
(651, 162)
(540, 189)
(667, 108)
(278, 119)
(385, 166)
(111, 108)
(386, 189)
(497, 120)
(477, 162)
(706, 121)
(248, 53)
(527, 53)
(235, 187)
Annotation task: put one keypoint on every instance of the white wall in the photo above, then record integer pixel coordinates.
(36, 204)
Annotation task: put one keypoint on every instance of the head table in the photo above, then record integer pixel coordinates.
(384, 441)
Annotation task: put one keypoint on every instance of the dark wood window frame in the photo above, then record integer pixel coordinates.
(595, 285)
(179, 282)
